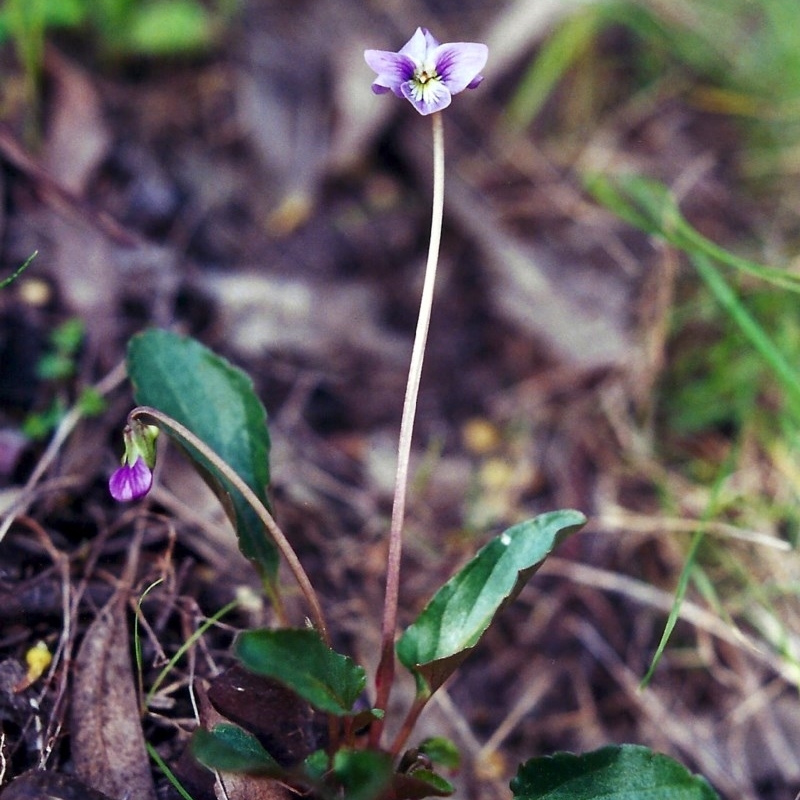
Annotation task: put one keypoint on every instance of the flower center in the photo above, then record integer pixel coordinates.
(425, 72)
(426, 83)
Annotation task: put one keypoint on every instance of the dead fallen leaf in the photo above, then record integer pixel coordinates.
(283, 723)
(249, 787)
(229, 785)
(108, 745)
(77, 138)
(39, 785)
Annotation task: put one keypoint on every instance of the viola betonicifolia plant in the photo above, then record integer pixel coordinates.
(210, 409)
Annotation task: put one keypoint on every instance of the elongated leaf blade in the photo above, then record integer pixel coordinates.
(626, 772)
(650, 206)
(230, 748)
(216, 401)
(300, 660)
(456, 618)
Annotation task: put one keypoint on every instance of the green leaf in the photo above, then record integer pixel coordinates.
(458, 615)
(315, 766)
(39, 426)
(55, 367)
(91, 402)
(217, 402)
(229, 748)
(63, 13)
(421, 783)
(174, 26)
(627, 772)
(68, 336)
(363, 774)
(441, 751)
(300, 660)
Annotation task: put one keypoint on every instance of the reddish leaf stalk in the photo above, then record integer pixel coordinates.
(282, 543)
(385, 673)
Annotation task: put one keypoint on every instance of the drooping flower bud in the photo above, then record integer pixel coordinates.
(134, 478)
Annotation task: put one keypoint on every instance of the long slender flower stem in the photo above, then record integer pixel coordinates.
(385, 673)
(282, 543)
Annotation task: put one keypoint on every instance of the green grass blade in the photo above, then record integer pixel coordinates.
(162, 765)
(556, 56)
(19, 270)
(185, 646)
(784, 372)
(649, 205)
(688, 568)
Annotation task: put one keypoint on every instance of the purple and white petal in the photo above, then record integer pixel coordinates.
(379, 88)
(130, 482)
(417, 46)
(393, 69)
(459, 64)
(427, 98)
(427, 73)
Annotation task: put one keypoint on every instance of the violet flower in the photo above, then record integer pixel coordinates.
(134, 478)
(427, 73)
(131, 481)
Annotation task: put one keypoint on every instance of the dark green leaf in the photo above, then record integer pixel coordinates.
(300, 660)
(229, 748)
(363, 774)
(458, 615)
(217, 402)
(627, 772)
